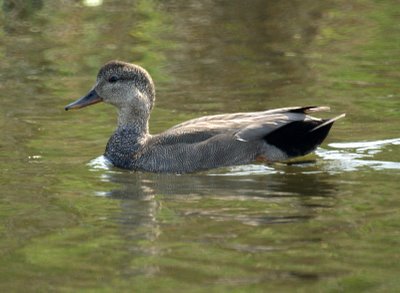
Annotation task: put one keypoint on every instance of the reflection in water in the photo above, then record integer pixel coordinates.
(21, 9)
(152, 204)
(241, 180)
(92, 3)
(147, 190)
(241, 66)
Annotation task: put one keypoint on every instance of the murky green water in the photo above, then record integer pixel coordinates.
(328, 223)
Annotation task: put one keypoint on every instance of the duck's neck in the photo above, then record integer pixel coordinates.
(131, 134)
(129, 119)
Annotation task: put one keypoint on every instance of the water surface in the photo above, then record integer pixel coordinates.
(328, 222)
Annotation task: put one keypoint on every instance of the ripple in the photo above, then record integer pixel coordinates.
(366, 145)
(352, 156)
(244, 170)
(100, 163)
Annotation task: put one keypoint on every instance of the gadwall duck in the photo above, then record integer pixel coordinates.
(198, 144)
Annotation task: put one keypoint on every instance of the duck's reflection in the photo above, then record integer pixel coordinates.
(147, 200)
(295, 180)
(142, 194)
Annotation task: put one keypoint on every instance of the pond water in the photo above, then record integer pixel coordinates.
(327, 222)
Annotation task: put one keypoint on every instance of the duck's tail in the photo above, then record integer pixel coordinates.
(299, 138)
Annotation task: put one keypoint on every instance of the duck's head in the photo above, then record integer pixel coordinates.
(124, 85)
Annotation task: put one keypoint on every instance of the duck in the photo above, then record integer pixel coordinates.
(200, 144)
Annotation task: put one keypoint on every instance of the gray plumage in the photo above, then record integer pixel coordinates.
(202, 143)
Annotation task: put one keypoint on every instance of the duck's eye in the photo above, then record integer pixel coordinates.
(113, 79)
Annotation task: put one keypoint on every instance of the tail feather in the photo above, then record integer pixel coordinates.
(329, 121)
(299, 138)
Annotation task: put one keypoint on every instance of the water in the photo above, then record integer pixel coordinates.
(328, 222)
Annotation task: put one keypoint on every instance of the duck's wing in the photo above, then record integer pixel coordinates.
(241, 138)
(244, 127)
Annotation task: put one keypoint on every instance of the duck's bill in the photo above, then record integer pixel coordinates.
(91, 98)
